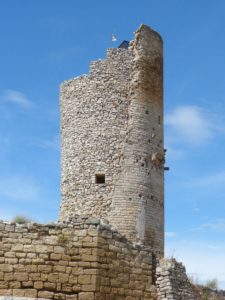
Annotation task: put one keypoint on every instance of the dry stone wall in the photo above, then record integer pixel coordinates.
(112, 126)
(84, 260)
(172, 282)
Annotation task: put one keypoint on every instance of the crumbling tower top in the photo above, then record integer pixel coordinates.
(112, 141)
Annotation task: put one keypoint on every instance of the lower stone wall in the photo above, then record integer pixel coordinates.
(172, 282)
(84, 259)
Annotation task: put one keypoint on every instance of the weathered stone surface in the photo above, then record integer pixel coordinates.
(112, 232)
(172, 281)
(86, 296)
(99, 261)
(112, 126)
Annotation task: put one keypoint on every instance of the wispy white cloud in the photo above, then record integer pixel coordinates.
(191, 124)
(213, 180)
(214, 226)
(53, 143)
(170, 234)
(19, 188)
(16, 97)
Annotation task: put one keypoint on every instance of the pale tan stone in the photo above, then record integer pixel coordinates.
(59, 250)
(54, 277)
(59, 269)
(86, 296)
(29, 248)
(55, 256)
(84, 279)
(26, 284)
(20, 276)
(38, 285)
(30, 293)
(4, 284)
(45, 294)
(18, 293)
(66, 287)
(8, 277)
(14, 284)
(45, 269)
(43, 248)
(6, 268)
(50, 286)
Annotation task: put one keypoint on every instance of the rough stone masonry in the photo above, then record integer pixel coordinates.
(109, 242)
(112, 141)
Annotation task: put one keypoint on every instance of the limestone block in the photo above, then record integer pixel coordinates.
(71, 297)
(11, 261)
(53, 277)
(20, 255)
(50, 286)
(26, 284)
(17, 293)
(38, 285)
(86, 257)
(55, 256)
(86, 296)
(4, 284)
(43, 248)
(66, 287)
(34, 276)
(14, 284)
(84, 279)
(63, 278)
(31, 268)
(20, 276)
(8, 277)
(45, 294)
(59, 250)
(44, 269)
(59, 269)
(6, 268)
(29, 248)
(30, 293)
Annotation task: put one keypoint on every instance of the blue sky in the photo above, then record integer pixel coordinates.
(45, 42)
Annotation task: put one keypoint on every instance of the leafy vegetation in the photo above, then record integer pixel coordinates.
(212, 284)
(21, 219)
(207, 291)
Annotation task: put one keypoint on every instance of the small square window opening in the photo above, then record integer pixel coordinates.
(100, 178)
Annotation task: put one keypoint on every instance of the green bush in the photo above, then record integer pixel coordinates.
(21, 219)
(212, 284)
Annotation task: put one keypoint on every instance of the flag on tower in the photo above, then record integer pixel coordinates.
(114, 38)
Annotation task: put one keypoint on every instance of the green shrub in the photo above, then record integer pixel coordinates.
(21, 219)
(212, 284)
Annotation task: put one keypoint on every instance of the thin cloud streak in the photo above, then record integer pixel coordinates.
(191, 124)
(170, 234)
(17, 98)
(53, 143)
(208, 181)
(20, 188)
(217, 226)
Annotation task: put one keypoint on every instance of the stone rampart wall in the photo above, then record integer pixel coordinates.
(172, 282)
(83, 260)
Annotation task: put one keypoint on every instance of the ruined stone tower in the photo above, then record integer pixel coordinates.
(112, 168)
(112, 141)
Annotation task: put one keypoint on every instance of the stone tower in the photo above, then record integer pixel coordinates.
(112, 141)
